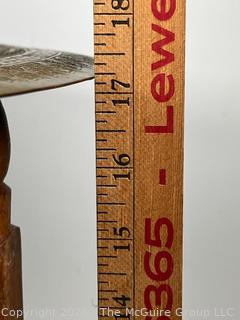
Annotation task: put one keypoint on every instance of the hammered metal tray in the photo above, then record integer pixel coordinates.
(24, 70)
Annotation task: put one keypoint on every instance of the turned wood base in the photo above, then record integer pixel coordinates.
(10, 238)
(11, 274)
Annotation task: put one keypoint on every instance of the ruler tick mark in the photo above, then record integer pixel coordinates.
(110, 54)
(111, 131)
(107, 257)
(112, 203)
(105, 34)
(101, 140)
(107, 186)
(113, 92)
(100, 63)
(115, 239)
(103, 265)
(100, 83)
(101, 121)
(116, 168)
(106, 112)
(100, 44)
(105, 73)
(99, 23)
(113, 274)
(113, 14)
(107, 221)
(106, 149)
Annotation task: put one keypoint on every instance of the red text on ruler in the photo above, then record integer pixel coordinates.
(162, 90)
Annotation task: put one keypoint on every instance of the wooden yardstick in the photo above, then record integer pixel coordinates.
(139, 70)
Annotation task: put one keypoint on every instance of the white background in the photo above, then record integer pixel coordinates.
(52, 171)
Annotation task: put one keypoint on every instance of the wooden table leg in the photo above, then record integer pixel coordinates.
(11, 300)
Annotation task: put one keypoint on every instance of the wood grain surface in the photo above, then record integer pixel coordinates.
(159, 123)
(139, 68)
(11, 297)
(25, 70)
(11, 303)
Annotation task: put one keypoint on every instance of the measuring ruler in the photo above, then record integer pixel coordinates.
(139, 81)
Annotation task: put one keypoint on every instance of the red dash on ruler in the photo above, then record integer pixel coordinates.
(162, 177)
